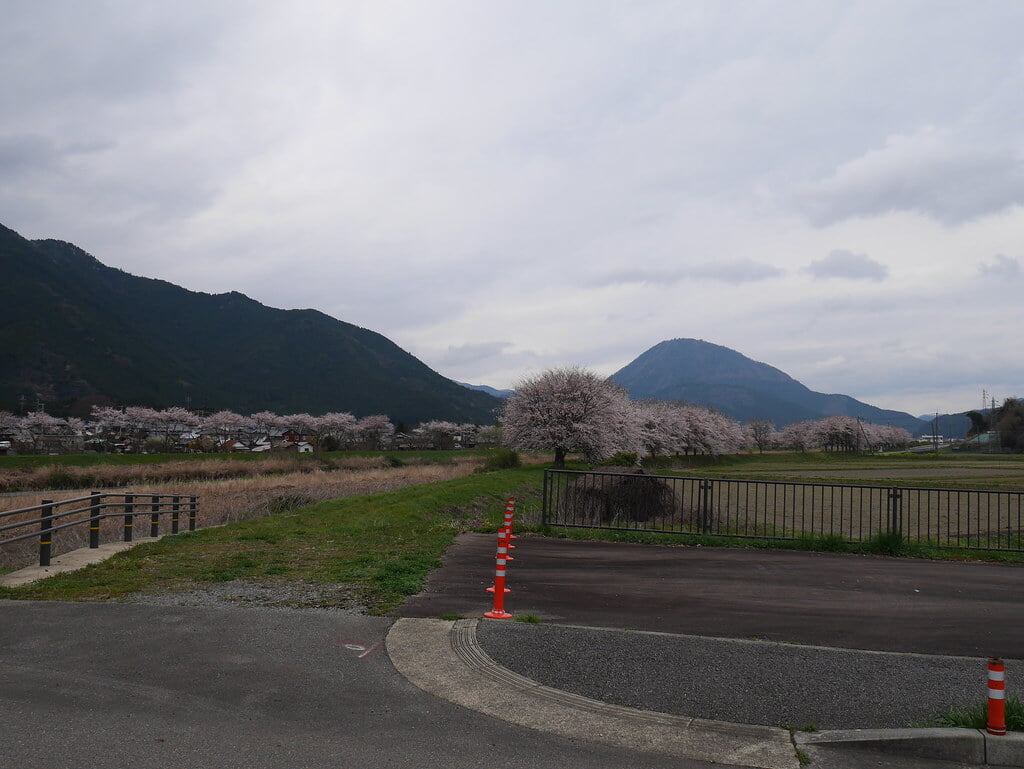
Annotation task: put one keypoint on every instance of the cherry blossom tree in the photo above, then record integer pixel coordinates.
(36, 425)
(339, 428)
(763, 433)
(488, 435)
(171, 423)
(140, 419)
(570, 410)
(799, 435)
(375, 431)
(10, 425)
(222, 425)
(266, 425)
(439, 434)
(299, 423)
(663, 427)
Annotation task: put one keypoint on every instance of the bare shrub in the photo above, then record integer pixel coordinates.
(629, 497)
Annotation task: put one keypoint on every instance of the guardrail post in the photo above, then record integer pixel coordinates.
(175, 513)
(94, 519)
(129, 517)
(154, 518)
(45, 532)
(193, 508)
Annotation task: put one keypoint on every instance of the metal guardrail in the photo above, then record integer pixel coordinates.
(91, 510)
(782, 510)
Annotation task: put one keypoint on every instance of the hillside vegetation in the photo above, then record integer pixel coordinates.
(77, 333)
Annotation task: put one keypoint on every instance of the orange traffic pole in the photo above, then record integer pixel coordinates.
(503, 556)
(996, 696)
(499, 589)
(510, 511)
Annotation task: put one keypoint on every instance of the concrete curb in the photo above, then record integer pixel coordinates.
(972, 746)
(445, 659)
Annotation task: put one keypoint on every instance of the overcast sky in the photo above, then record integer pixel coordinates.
(833, 188)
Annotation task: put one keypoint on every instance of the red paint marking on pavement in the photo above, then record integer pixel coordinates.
(371, 650)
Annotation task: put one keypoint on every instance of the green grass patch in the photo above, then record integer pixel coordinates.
(976, 716)
(530, 619)
(382, 544)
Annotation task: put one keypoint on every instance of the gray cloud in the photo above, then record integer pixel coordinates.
(931, 173)
(1004, 267)
(460, 355)
(415, 169)
(734, 271)
(846, 264)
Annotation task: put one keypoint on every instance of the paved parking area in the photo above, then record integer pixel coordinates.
(854, 602)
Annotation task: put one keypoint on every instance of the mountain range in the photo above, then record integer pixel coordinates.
(77, 333)
(696, 371)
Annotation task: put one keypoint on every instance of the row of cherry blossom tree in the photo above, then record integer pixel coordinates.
(171, 424)
(562, 410)
(174, 428)
(572, 410)
(842, 433)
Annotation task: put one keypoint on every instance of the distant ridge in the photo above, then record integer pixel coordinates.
(489, 390)
(707, 374)
(76, 332)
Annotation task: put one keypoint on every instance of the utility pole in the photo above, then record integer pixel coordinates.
(935, 432)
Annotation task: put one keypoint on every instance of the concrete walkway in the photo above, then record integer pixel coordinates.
(72, 561)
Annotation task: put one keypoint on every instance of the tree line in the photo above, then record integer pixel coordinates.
(565, 410)
(138, 428)
(572, 410)
(1006, 422)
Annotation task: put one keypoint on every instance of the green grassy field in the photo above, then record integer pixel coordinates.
(384, 545)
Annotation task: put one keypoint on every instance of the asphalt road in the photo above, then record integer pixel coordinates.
(713, 620)
(854, 602)
(146, 687)
(126, 685)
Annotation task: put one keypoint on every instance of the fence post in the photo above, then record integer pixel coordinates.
(154, 518)
(94, 519)
(45, 532)
(895, 511)
(174, 514)
(192, 510)
(129, 518)
(544, 504)
(705, 507)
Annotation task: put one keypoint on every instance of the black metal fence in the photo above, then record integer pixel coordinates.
(782, 510)
(46, 519)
